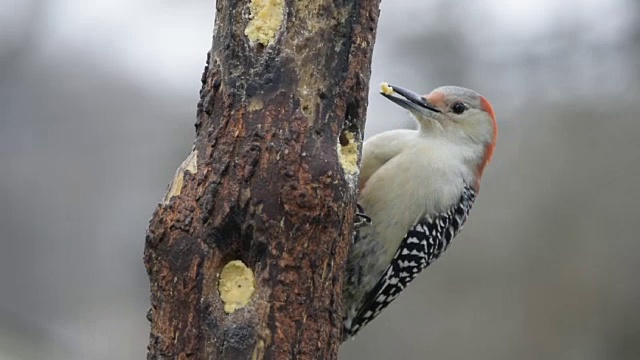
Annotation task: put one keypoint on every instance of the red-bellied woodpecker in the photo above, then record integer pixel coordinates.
(417, 187)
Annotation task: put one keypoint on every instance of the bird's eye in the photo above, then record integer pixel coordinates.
(458, 108)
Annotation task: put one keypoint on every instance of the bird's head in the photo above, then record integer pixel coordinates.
(455, 113)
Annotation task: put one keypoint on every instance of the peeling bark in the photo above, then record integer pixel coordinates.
(270, 183)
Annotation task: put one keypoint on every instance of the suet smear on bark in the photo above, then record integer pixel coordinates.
(190, 164)
(266, 18)
(236, 285)
(348, 153)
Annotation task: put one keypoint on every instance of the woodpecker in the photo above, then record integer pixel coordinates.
(416, 189)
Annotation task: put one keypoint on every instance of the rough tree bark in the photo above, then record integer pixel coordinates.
(246, 253)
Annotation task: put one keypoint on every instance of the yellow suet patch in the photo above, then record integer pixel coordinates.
(175, 188)
(236, 285)
(266, 18)
(255, 104)
(386, 89)
(348, 153)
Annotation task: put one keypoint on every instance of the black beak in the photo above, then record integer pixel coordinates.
(410, 100)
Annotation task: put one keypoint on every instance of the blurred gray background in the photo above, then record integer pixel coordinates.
(97, 105)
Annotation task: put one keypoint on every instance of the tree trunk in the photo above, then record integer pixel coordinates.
(247, 251)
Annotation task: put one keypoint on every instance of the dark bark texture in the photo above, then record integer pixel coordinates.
(270, 182)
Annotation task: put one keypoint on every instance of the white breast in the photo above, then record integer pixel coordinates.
(408, 176)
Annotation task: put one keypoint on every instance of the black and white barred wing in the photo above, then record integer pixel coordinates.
(424, 243)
